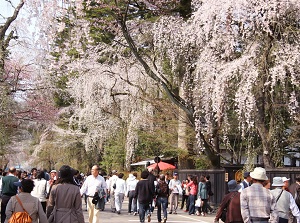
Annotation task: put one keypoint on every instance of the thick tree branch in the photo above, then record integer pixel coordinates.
(11, 19)
(174, 98)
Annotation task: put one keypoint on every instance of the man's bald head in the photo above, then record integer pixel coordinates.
(12, 170)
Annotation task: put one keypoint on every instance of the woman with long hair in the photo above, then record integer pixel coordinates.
(192, 186)
(65, 203)
(203, 194)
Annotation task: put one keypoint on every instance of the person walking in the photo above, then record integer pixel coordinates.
(285, 202)
(203, 194)
(231, 203)
(25, 200)
(162, 190)
(174, 196)
(91, 185)
(185, 195)
(144, 192)
(51, 181)
(294, 189)
(131, 183)
(8, 190)
(40, 188)
(65, 203)
(120, 192)
(193, 190)
(152, 182)
(209, 192)
(257, 203)
(112, 187)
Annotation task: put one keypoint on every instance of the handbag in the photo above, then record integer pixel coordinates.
(223, 215)
(20, 217)
(199, 202)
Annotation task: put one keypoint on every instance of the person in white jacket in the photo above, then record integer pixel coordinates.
(120, 191)
(111, 189)
(40, 188)
(130, 186)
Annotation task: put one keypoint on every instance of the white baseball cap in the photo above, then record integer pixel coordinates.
(285, 179)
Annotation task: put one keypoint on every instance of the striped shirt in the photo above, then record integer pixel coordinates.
(258, 202)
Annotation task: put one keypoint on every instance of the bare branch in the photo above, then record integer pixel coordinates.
(10, 19)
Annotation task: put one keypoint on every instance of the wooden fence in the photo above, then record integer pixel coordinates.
(220, 177)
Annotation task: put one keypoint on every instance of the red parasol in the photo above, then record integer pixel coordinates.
(162, 166)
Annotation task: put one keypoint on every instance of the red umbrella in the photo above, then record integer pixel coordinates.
(162, 166)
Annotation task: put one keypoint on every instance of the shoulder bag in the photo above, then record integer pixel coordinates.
(224, 212)
(20, 217)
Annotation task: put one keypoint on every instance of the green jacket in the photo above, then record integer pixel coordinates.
(8, 187)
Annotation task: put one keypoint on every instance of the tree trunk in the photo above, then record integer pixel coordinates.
(185, 161)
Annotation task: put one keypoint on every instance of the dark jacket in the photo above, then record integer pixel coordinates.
(144, 192)
(233, 213)
(295, 189)
(162, 189)
(152, 179)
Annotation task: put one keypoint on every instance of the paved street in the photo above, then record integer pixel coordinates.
(181, 217)
(108, 217)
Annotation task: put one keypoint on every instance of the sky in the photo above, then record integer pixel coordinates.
(18, 48)
(6, 9)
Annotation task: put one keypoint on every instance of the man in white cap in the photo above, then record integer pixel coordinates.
(257, 203)
(174, 196)
(286, 183)
(112, 186)
(131, 183)
(285, 202)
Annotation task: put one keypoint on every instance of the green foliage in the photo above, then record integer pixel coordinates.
(202, 162)
(184, 8)
(61, 97)
(57, 151)
(161, 141)
(113, 155)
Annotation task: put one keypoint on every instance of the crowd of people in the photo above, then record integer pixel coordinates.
(57, 196)
(160, 191)
(45, 197)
